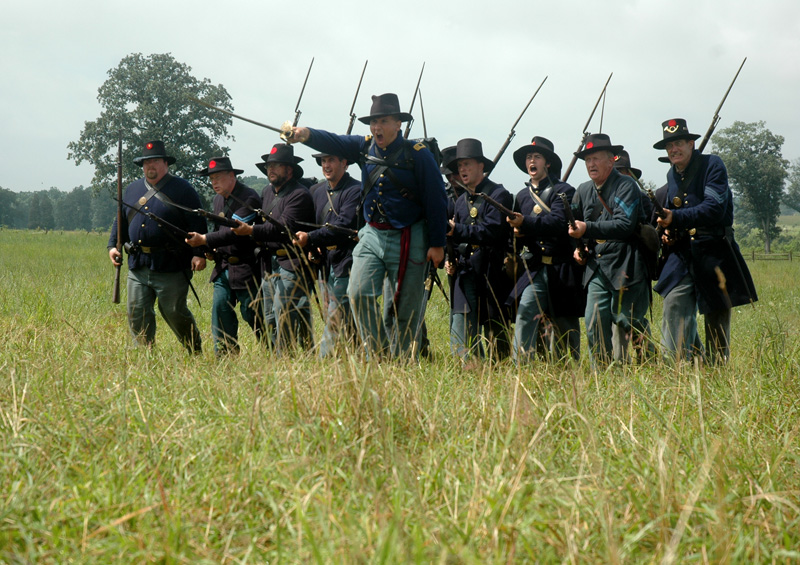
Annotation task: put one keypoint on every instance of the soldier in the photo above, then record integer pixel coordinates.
(704, 268)
(479, 232)
(336, 203)
(160, 264)
(287, 280)
(549, 289)
(609, 208)
(404, 205)
(642, 337)
(236, 275)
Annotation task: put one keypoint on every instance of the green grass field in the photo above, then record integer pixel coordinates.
(116, 454)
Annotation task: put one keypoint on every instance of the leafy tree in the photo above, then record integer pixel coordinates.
(8, 207)
(47, 220)
(75, 210)
(146, 98)
(756, 171)
(791, 198)
(35, 212)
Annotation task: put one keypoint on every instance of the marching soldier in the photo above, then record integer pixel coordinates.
(478, 230)
(286, 276)
(336, 203)
(704, 268)
(609, 208)
(405, 210)
(236, 275)
(549, 289)
(160, 264)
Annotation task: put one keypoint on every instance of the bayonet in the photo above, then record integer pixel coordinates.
(585, 130)
(413, 99)
(512, 133)
(302, 90)
(716, 118)
(349, 232)
(353, 105)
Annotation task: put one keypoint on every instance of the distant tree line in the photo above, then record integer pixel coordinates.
(77, 210)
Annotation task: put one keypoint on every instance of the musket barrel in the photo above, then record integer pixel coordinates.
(353, 105)
(716, 118)
(585, 133)
(512, 133)
(115, 291)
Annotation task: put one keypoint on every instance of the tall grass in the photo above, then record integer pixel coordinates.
(113, 453)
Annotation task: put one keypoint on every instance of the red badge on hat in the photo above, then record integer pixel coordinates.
(533, 143)
(589, 145)
(274, 150)
(212, 164)
(149, 146)
(672, 123)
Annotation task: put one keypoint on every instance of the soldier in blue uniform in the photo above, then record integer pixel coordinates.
(287, 280)
(160, 264)
(704, 268)
(405, 210)
(336, 202)
(609, 208)
(549, 287)
(642, 337)
(236, 275)
(480, 233)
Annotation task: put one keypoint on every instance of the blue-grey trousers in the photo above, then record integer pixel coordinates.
(375, 258)
(170, 289)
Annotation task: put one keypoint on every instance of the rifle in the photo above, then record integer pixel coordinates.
(571, 221)
(115, 292)
(302, 90)
(512, 133)
(353, 105)
(414, 99)
(219, 220)
(585, 132)
(507, 212)
(716, 118)
(660, 212)
(349, 232)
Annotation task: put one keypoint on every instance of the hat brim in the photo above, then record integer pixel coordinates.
(402, 116)
(610, 148)
(204, 172)
(522, 152)
(637, 172)
(663, 143)
(318, 157)
(140, 160)
(452, 166)
(297, 170)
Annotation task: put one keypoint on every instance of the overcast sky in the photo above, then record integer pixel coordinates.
(483, 62)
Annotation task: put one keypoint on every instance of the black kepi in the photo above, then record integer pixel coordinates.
(469, 148)
(674, 129)
(154, 150)
(385, 105)
(544, 147)
(282, 153)
(623, 161)
(598, 142)
(218, 165)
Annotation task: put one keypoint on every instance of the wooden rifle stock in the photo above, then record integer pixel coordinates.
(585, 131)
(571, 221)
(118, 272)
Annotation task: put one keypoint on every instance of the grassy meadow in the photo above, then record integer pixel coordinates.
(110, 453)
